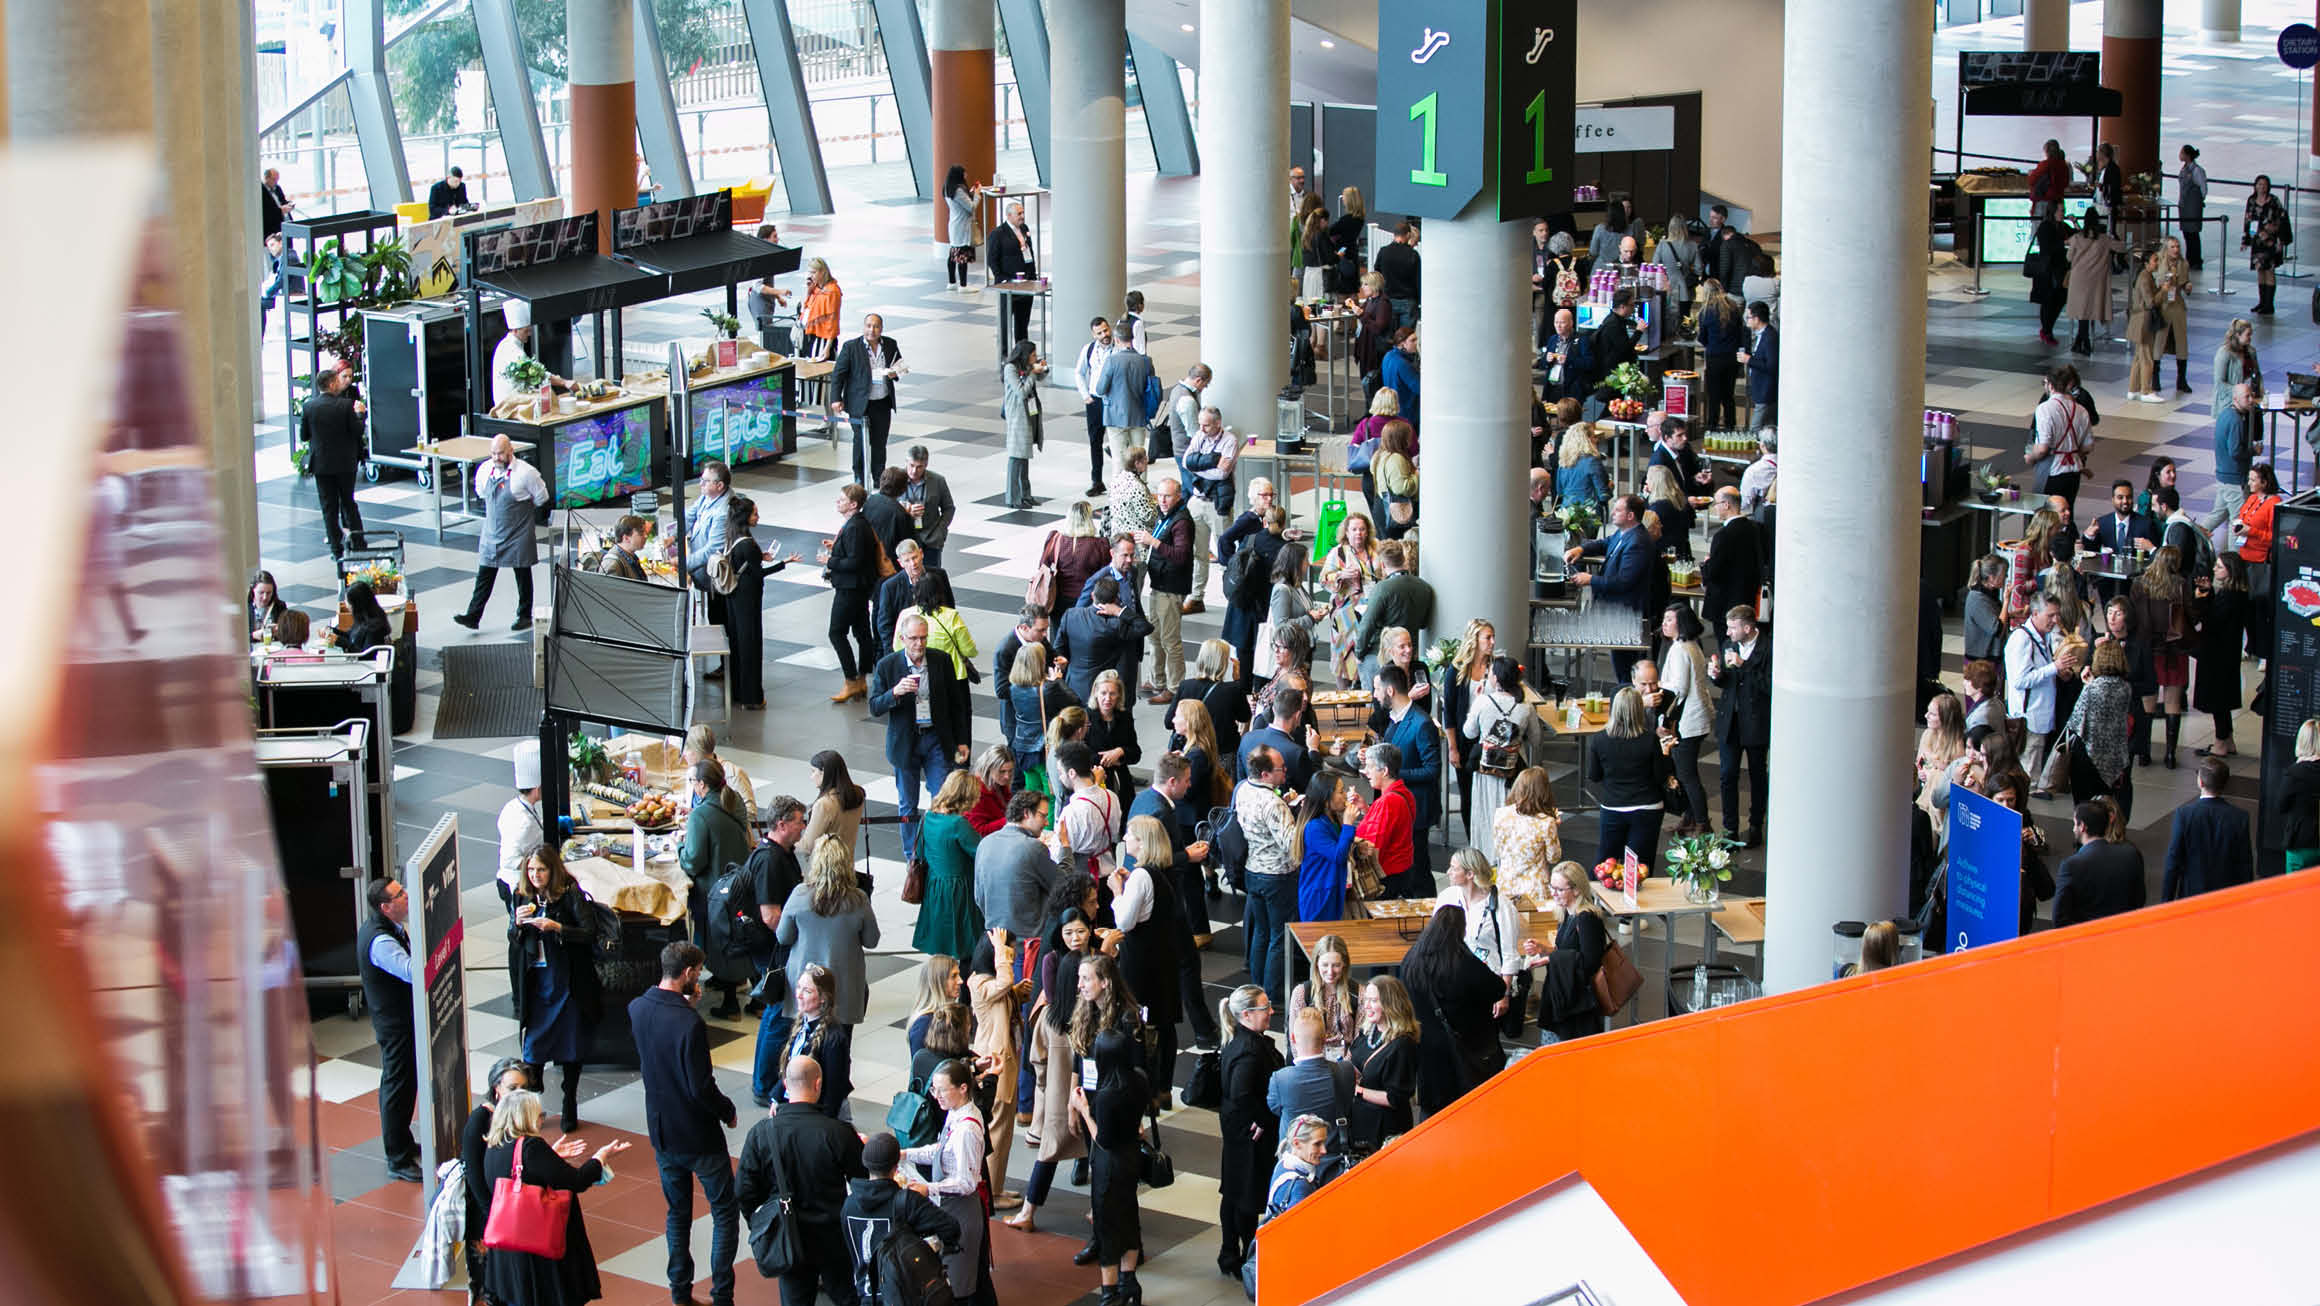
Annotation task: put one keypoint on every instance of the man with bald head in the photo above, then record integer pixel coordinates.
(511, 490)
(807, 1155)
(1168, 566)
(1013, 257)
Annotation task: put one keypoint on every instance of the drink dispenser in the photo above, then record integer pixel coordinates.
(1549, 578)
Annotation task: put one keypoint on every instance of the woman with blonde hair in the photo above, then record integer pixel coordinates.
(1067, 727)
(2295, 808)
(1722, 335)
(997, 999)
(1377, 322)
(739, 795)
(994, 774)
(1349, 570)
(1076, 552)
(1385, 1063)
(1036, 695)
(1567, 1006)
(1245, 1067)
(828, 922)
(1397, 478)
(1665, 496)
(1330, 992)
(1943, 740)
(2162, 604)
(514, 1150)
(1579, 475)
(1630, 774)
(1527, 834)
(1215, 684)
(1146, 910)
(948, 920)
(1319, 256)
(1361, 448)
(1493, 927)
(939, 984)
(1464, 682)
(1112, 732)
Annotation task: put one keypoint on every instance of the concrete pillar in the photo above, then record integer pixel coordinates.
(600, 38)
(959, 38)
(2046, 24)
(1858, 78)
(81, 68)
(1476, 308)
(2219, 20)
(2130, 66)
(1087, 239)
(1244, 224)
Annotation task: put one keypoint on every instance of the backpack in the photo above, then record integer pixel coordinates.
(913, 1117)
(1501, 753)
(1566, 284)
(904, 1271)
(731, 923)
(1151, 396)
(1228, 843)
(1246, 577)
(723, 577)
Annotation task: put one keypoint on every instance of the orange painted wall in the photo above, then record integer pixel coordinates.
(603, 152)
(1859, 1129)
(965, 106)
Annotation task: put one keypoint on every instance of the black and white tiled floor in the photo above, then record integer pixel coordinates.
(1982, 360)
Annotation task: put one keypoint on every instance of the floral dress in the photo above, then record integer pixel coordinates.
(1527, 846)
(1356, 572)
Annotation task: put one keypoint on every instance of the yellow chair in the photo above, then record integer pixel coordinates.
(749, 200)
(415, 211)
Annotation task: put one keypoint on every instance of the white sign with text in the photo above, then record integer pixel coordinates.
(1609, 131)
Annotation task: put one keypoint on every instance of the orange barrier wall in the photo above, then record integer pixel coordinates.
(1855, 1130)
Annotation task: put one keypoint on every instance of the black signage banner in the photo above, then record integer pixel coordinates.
(1538, 84)
(432, 879)
(553, 241)
(2294, 670)
(694, 215)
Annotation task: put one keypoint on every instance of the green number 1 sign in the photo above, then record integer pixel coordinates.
(1535, 113)
(1427, 110)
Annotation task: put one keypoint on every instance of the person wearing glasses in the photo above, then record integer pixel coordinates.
(383, 958)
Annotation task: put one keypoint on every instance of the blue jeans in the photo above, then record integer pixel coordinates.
(716, 1176)
(773, 1029)
(1272, 905)
(925, 761)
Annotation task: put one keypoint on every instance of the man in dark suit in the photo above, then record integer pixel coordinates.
(897, 591)
(1625, 577)
(1030, 628)
(684, 1114)
(2117, 530)
(1012, 257)
(1312, 1084)
(862, 384)
(889, 520)
(1284, 734)
(1096, 637)
(1763, 359)
(1123, 569)
(1559, 348)
(1170, 801)
(2100, 879)
(1743, 673)
(1674, 451)
(2208, 847)
(1412, 731)
(331, 424)
(1721, 234)
(274, 205)
(1733, 573)
(800, 1154)
(448, 195)
(928, 720)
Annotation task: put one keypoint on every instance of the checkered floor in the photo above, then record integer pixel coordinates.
(1982, 360)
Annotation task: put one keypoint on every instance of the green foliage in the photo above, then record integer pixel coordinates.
(724, 322)
(335, 274)
(425, 65)
(527, 372)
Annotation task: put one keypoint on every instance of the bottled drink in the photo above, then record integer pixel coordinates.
(1700, 988)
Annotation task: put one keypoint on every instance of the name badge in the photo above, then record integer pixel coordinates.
(1087, 1075)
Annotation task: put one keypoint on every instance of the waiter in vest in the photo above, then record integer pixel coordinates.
(509, 488)
(383, 956)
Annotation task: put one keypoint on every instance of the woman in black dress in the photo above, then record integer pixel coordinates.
(1567, 1006)
(1385, 1063)
(508, 1075)
(1249, 1130)
(515, 1278)
(551, 938)
(2220, 611)
(1112, 733)
(1216, 687)
(1452, 993)
(745, 606)
(1107, 1043)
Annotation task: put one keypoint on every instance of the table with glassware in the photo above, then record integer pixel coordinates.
(1990, 510)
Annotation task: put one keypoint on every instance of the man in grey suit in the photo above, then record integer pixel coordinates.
(927, 497)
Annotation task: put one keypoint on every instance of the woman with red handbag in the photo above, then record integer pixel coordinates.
(537, 1243)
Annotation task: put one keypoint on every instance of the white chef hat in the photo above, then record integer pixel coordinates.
(519, 314)
(527, 764)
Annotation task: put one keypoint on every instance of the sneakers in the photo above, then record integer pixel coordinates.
(2154, 397)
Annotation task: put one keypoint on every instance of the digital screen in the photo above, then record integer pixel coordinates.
(2003, 238)
(694, 215)
(491, 252)
(737, 423)
(2077, 68)
(605, 457)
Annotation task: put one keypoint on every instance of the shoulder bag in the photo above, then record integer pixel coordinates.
(1153, 1163)
(1204, 1087)
(1039, 591)
(775, 1240)
(526, 1217)
(1617, 980)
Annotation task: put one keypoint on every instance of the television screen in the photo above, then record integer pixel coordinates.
(605, 457)
(2005, 237)
(738, 423)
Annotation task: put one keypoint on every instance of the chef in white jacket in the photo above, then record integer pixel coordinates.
(517, 343)
(522, 828)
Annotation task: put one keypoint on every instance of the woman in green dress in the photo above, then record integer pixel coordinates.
(948, 922)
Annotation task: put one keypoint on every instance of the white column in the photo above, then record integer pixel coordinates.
(1244, 215)
(80, 68)
(2219, 20)
(1087, 261)
(1475, 513)
(2046, 24)
(1858, 79)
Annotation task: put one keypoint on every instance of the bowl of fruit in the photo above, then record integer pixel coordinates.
(653, 812)
(1626, 410)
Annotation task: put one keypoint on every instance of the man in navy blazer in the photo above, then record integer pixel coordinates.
(2208, 848)
(1743, 675)
(1625, 576)
(1101, 635)
(686, 1115)
(1284, 733)
(2100, 879)
(928, 720)
(2117, 530)
(1763, 359)
(1413, 732)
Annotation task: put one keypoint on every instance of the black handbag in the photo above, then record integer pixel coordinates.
(775, 1240)
(1152, 1162)
(1204, 1087)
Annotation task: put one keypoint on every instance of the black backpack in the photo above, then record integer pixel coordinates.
(1228, 844)
(733, 926)
(1247, 577)
(907, 1272)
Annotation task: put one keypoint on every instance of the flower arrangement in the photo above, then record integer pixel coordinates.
(1441, 654)
(1611, 873)
(528, 373)
(382, 577)
(724, 322)
(1989, 482)
(587, 755)
(1581, 519)
(1701, 863)
(1631, 381)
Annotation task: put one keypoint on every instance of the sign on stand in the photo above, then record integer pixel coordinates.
(1985, 871)
(432, 879)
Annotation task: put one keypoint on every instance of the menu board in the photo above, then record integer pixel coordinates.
(738, 423)
(604, 457)
(490, 252)
(2295, 653)
(694, 215)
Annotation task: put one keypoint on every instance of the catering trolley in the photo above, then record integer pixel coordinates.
(311, 693)
(315, 791)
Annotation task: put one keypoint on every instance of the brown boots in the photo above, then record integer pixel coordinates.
(851, 690)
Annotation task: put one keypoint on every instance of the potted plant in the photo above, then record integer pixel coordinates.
(1989, 482)
(726, 350)
(386, 273)
(334, 274)
(1581, 519)
(1701, 863)
(588, 758)
(528, 373)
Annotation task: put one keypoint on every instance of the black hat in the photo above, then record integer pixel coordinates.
(881, 1153)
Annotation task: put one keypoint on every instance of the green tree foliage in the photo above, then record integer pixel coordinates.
(425, 66)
